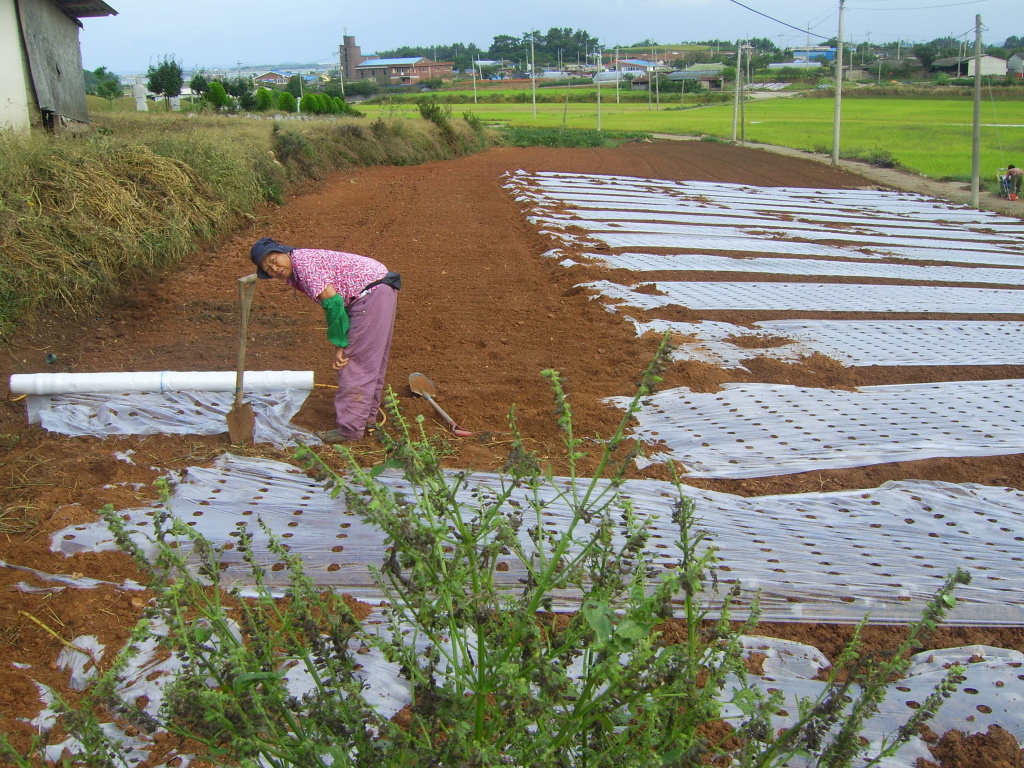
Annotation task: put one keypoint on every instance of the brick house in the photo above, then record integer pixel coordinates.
(406, 71)
(271, 78)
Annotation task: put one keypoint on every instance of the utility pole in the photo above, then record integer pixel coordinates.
(474, 79)
(837, 117)
(657, 79)
(600, 58)
(618, 73)
(976, 132)
(736, 89)
(533, 73)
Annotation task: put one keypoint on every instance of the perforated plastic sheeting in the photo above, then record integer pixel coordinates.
(679, 234)
(813, 557)
(819, 297)
(851, 342)
(989, 694)
(873, 205)
(649, 213)
(989, 691)
(171, 413)
(586, 216)
(700, 262)
(725, 242)
(759, 430)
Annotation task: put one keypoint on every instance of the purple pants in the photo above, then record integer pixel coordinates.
(361, 382)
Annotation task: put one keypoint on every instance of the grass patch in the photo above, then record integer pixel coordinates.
(524, 136)
(928, 137)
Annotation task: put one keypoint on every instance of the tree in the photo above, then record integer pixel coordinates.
(763, 44)
(294, 86)
(199, 84)
(264, 100)
(108, 85)
(237, 86)
(247, 101)
(217, 96)
(165, 79)
(286, 103)
(506, 47)
(926, 53)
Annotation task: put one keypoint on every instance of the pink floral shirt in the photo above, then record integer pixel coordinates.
(314, 269)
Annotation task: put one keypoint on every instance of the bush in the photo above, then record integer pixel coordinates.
(286, 102)
(361, 88)
(217, 96)
(522, 136)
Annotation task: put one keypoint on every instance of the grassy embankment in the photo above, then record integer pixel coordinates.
(82, 218)
(930, 137)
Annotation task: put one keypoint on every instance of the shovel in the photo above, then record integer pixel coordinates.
(241, 418)
(424, 387)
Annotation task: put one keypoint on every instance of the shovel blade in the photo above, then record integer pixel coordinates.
(241, 423)
(422, 385)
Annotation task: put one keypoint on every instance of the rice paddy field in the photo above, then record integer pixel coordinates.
(932, 138)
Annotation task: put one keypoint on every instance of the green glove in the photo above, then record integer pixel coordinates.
(337, 320)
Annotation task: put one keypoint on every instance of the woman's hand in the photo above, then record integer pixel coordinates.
(340, 361)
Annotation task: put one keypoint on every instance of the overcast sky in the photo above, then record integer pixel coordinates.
(212, 34)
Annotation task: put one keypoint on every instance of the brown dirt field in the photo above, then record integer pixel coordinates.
(480, 312)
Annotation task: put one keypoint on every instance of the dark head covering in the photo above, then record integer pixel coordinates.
(261, 248)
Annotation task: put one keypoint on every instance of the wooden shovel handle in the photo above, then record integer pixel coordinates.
(246, 290)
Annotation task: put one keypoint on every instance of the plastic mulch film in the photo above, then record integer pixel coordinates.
(700, 262)
(817, 297)
(647, 213)
(624, 234)
(812, 557)
(589, 217)
(989, 693)
(851, 342)
(760, 430)
(869, 206)
(173, 413)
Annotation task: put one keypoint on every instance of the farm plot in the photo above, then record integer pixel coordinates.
(482, 313)
(760, 430)
(796, 551)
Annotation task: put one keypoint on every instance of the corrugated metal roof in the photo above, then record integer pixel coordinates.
(390, 62)
(82, 9)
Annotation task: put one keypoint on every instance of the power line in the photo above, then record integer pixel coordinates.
(772, 18)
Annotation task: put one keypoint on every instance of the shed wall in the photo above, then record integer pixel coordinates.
(54, 58)
(13, 97)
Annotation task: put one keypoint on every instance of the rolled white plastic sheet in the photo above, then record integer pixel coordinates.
(156, 381)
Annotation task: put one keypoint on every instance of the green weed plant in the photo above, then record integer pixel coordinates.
(496, 677)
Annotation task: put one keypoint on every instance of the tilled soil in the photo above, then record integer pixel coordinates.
(481, 312)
